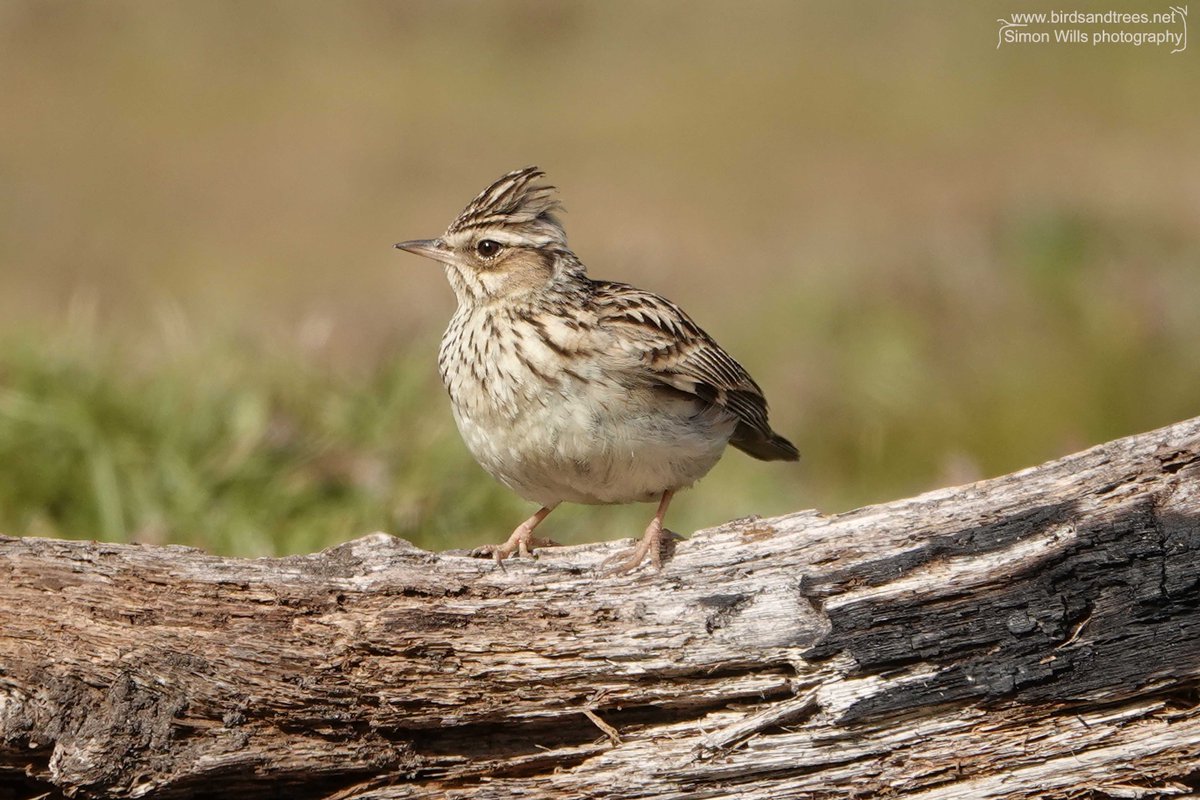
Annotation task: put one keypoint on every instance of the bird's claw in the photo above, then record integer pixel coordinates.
(521, 543)
(658, 543)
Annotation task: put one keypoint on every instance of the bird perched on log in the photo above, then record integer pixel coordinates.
(571, 389)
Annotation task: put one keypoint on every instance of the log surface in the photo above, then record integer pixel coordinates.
(1030, 635)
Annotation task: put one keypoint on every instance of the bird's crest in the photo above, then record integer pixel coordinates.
(514, 202)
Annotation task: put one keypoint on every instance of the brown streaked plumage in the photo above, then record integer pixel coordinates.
(571, 389)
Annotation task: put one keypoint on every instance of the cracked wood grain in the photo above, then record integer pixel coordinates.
(1030, 635)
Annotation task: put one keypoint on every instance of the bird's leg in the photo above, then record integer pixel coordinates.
(521, 542)
(654, 541)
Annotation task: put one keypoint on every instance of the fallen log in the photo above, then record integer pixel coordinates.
(1031, 635)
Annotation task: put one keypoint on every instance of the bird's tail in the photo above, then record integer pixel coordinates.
(772, 447)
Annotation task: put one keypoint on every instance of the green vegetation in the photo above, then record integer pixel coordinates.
(228, 449)
(940, 260)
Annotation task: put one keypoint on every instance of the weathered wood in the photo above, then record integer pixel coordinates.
(1032, 635)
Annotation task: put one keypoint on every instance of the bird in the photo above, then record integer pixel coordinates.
(567, 388)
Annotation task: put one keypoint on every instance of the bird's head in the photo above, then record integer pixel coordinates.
(506, 243)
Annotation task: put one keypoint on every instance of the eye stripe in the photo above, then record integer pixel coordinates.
(506, 238)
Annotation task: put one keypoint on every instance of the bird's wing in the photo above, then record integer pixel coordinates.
(662, 344)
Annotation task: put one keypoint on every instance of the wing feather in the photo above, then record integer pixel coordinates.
(673, 350)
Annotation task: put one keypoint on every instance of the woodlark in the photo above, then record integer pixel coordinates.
(571, 389)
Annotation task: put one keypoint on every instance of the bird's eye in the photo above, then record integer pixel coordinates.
(487, 247)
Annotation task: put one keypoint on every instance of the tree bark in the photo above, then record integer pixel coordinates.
(1031, 635)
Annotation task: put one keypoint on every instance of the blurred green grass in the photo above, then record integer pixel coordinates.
(941, 261)
(232, 448)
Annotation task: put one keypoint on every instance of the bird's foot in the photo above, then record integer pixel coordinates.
(658, 543)
(522, 543)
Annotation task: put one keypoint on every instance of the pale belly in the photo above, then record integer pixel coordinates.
(616, 446)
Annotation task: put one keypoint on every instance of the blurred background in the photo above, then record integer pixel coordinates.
(942, 260)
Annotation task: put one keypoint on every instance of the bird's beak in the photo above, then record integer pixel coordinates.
(430, 248)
